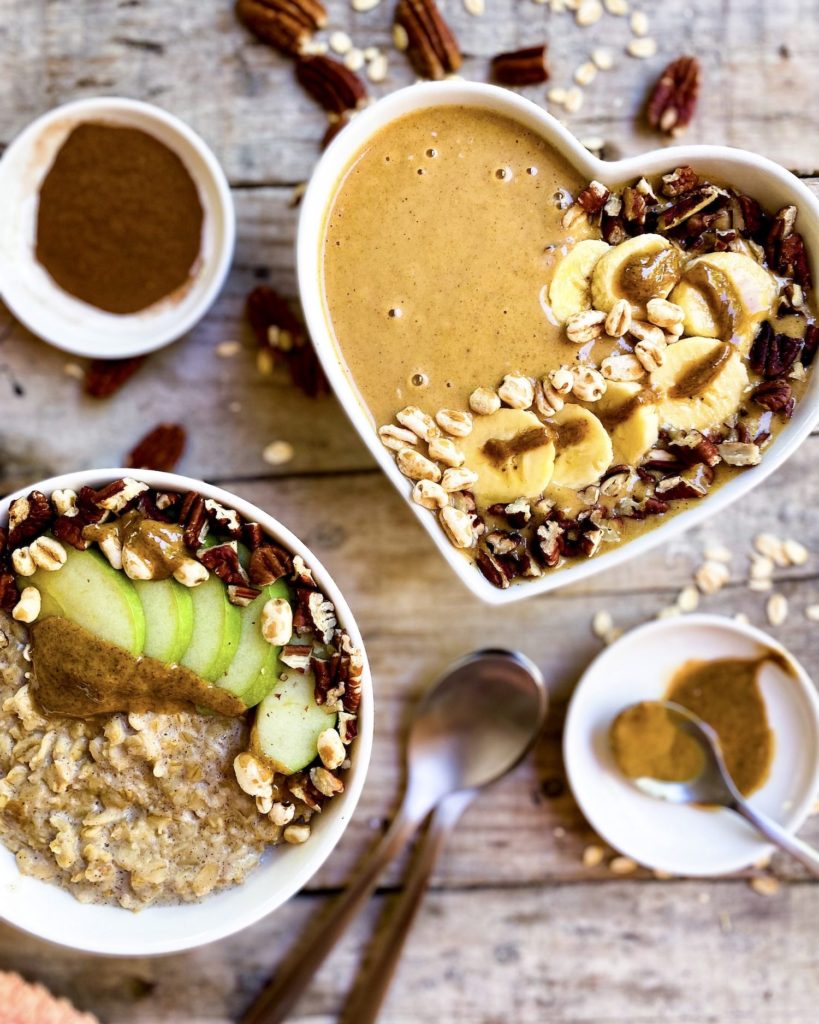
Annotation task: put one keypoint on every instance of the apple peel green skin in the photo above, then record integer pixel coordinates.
(217, 627)
(168, 609)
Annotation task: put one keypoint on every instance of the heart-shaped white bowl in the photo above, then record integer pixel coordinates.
(771, 184)
(49, 912)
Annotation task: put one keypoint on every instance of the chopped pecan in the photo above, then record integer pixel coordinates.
(593, 197)
(793, 260)
(326, 674)
(521, 67)
(88, 507)
(281, 339)
(776, 396)
(650, 506)
(223, 560)
(352, 693)
(661, 459)
(284, 24)
(28, 518)
(193, 520)
(432, 48)
(692, 202)
(695, 448)
(493, 568)
(679, 181)
(811, 344)
(106, 376)
(773, 355)
(754, 218)
(253, 535)
(691, 483)
(548, 543)
(226, 519)
(241, 595)
(322, 615)
(161, 448)
(332, 85)
(4, 536)
(9, 595)
(303, 789)
(634, 207)
(296, 656)
(69, 530)
(673, 99)
(613, 229)
(269, 563)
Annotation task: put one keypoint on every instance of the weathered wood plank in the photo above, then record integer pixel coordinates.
(680, 953)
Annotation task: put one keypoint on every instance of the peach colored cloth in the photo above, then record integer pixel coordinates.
(21, 1003)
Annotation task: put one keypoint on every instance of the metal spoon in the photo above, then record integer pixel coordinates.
(473, 726)
(715, 786)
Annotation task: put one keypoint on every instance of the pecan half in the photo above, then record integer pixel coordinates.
(521, 67)
(284, 24)
(28, 518)
(330, 83)
(282, 339)
(673, 99)
(773, 355)
(253, 535)
(194, 520)
(223, 560)
(269, 563)
(432, 48)
(161, 448)
(811, 344)
(793, 260)
(106, 376)
(493, 569)
(776, 396)
(69, 530)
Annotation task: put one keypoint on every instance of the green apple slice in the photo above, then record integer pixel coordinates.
(89, 592)
(289, 723)
(217, 626)
(168, 608)
(255, 668)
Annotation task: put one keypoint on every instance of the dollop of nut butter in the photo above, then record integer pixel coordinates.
(159, 546)
(649, 275)
(722, 300)
(725, 694)
(78, 675)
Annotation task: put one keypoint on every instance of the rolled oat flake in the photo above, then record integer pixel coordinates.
(119, 222)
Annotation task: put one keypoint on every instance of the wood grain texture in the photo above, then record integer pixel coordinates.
(517, 930)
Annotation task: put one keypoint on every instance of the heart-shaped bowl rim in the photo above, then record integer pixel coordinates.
(760, 177)
(50, 912)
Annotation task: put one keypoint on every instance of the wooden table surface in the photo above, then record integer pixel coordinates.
(517, 930)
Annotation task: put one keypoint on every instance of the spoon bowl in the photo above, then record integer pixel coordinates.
(475, 724)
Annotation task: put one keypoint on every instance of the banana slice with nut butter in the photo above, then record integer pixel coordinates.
(512, 453)
(725, 295)
(584, 449)
(569, 292)
(641, 268)
(700, 384)
(629, 413)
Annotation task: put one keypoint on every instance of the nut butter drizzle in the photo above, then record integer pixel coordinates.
(647, 276)
(696, 380)
(500, 451)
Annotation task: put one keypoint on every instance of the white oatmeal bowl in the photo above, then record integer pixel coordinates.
(416, 480)
(222, 858)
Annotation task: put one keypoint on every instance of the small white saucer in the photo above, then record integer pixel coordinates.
(677, 839)
(29, 291)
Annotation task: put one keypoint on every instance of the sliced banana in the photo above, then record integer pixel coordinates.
(584, 450)
(725, 295)
(700, 384)
(569, 292)
(633, 425)
(525, 474)
(641, 268)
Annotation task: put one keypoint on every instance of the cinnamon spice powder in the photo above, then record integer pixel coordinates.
(119, 224)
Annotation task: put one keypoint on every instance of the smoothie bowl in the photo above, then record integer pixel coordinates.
(558, 361)
(185, 712)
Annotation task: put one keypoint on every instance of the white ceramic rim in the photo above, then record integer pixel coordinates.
(107, 930)
(166, 321)
(770, 182)
(795, 817)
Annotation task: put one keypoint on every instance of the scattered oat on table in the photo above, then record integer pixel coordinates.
(277, 453)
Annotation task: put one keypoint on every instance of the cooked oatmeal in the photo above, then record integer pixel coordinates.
(130, 809)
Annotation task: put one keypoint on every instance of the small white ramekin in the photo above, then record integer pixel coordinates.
(35, 298)
(765, 180)
(51, 913)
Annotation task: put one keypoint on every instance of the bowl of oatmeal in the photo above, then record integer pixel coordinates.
(560, 362)
(185, 712)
